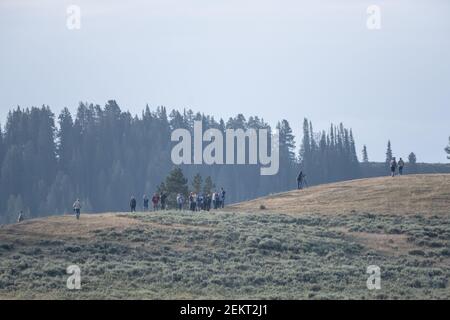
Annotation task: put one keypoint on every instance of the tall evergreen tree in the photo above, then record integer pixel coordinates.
(412, 158)
(412, 163)
(365, 155)
(174, 184)
(65, 143)
(305, 149)
(287, 158)
(209, 186)
(287, 140)
(388, 153)
(2, 150)
(353, 155)
(447, 149)
(197, 183)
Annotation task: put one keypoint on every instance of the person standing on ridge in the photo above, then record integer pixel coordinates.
(393, 166)
(300, 179)
(401, 164)
(163, 201)
(133, 204)
(222, 197)
(145, 199)
(155, 201)
(193, 201)
(180, 201)
(208, 202)
(20, 217)
(216, 200)
(77, 208)
(199, 202)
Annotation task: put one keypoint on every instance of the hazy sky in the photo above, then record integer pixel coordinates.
(273, 58)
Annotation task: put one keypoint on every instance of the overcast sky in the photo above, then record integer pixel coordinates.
(273, 58)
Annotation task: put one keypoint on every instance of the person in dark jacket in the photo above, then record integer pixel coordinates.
(393, 166)
(208, 202)
(300, 179)
(146, 200)
(222, 197)
(133, 204)
(216, 200)
(163, 201)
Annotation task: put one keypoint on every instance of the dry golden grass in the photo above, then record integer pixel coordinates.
(63, 227)
(66, 226)
(411, 194)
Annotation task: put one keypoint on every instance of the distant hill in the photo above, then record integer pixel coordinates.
(409, 194)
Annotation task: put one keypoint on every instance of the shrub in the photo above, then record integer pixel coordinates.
(416, 283)
(417, 252)
(6, 246)
(270, 244)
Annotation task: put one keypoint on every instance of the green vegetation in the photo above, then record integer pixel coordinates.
(174, 184)
(228, 255)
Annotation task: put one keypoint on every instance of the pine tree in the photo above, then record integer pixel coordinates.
(412, 163)
(365, 155)
(388, 153)
(65, 144)
(352, 150)
(1, 146)
(287, 140)
(305, 149)
(447, 149)
(174, 184)
(161, 188)
(197, 183)
(209, 186)
(412, 158)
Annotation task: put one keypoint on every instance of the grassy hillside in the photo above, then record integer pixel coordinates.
(411, 194)
(264, 254)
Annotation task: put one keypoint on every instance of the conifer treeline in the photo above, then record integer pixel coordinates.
(105, 155)
(328, 157)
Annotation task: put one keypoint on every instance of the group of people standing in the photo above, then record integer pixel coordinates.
(200, 201)
(158, 202)
(195, 202)
(394, 164)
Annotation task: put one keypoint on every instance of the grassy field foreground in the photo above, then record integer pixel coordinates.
(167, 255)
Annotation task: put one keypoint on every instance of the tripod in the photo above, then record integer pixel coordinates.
(305, 183)
(302, 183)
